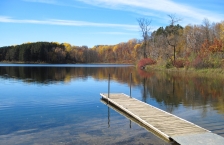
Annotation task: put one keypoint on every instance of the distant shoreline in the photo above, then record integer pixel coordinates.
(20, 62)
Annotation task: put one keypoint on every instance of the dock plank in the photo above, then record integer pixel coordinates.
(168, 125)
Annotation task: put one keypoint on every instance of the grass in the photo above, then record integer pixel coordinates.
(205, 72)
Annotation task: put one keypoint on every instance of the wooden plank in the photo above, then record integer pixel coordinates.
(164, 123)
(132, 119)
(153, 109)
(135, 116)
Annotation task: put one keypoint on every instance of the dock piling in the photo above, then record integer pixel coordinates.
(108, 87)
(130, 83)
(108, 117)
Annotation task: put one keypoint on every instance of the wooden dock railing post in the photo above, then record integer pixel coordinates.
(130, 83)
(108, 87)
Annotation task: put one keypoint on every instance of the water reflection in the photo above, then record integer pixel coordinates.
(175, 89)
(197, 99)
(170, 89)
(131, 119)
(47, 75)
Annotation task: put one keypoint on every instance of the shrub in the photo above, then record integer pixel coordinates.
(146, 61)
(169, 64)
(179, 63)
(222, 63)
(198, 63)
(187, 64)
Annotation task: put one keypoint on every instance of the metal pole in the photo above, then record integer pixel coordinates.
(130, 83)
(108, 88)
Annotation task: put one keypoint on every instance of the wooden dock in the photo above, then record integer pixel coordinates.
(163, 123)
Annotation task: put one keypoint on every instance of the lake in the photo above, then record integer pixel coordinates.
(60, 104)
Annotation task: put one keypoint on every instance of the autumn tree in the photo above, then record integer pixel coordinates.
(137, 53)
(172, 33)
(222, 31)
(158, 44)
(67, 46)
(60, 53)
(206, 28)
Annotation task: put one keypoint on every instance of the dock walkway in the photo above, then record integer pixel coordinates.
(168, 125)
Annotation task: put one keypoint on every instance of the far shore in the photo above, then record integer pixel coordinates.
(21, 62)
(205, 72)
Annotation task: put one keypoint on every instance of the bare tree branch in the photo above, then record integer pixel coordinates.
(144, 25)
(173, 19)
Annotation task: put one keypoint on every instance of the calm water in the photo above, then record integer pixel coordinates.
(60, 104)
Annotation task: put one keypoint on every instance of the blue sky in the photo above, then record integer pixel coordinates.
(95, 22)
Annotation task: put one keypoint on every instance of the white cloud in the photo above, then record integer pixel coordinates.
(56, 2)
(157, 9)
(150, 7)
(5, 19)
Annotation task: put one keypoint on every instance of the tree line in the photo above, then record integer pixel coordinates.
(198, 46)
(54, 52)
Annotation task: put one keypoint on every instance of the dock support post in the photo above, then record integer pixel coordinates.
(108, 88)
(130, 83)
(108, 117)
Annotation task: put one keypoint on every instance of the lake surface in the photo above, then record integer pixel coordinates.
(60, 104)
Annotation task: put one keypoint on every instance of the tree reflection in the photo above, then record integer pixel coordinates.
(168, 88)
(144, 76)
(144, 94)
(173, 89)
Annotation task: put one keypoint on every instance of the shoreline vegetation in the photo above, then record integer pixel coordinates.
(204, 72)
